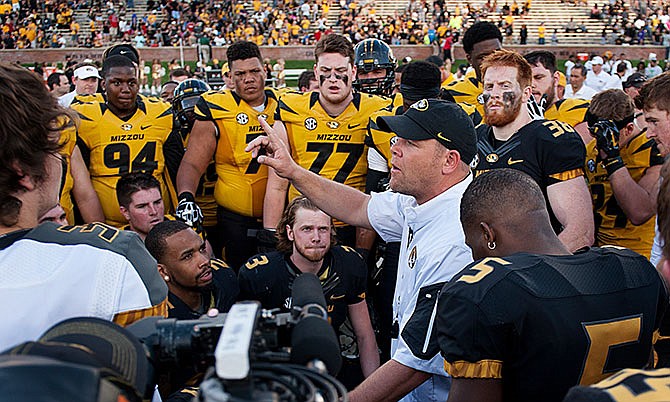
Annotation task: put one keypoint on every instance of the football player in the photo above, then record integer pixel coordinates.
(123, 134)
(545, 81)
(225, 122)
(50, 272)
(480, 40)
(528, 309)
(549, 151)
(306, 243)
(186, 95)
(375, 67)
(325, 130)
(622, 169)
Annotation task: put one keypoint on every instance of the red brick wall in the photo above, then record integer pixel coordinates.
(307, 53)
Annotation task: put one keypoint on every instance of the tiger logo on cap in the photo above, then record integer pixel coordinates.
(421, 105)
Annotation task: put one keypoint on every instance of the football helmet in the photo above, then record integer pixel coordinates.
(371, 55)
(186, 95)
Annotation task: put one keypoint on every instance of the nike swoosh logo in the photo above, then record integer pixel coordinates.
(441, 136)
(333, 297)
(145, 127)
(123, 52)
(350, 126)
(511, 161)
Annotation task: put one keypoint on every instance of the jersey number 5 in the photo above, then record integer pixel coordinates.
(483, 269)
(603, 337)
(117, 156)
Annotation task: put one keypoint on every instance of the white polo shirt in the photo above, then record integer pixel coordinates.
(432, 251)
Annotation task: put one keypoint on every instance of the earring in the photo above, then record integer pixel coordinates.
(491, 245)
(167, 278)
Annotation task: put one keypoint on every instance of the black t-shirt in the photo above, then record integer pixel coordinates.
(543, 324)
(268, 278)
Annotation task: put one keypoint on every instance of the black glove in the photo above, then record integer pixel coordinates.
(188, 211)
(536, 110)
(266, 240)
(606, 134)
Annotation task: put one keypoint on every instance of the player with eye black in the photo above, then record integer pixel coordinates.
(622, 169)
(548, 150)
(527, 319)
(326, 130)
(123, 134)
(225, 121)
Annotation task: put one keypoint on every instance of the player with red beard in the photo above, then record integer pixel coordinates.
(550, 151)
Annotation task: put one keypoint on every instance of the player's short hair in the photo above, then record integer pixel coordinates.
(242, 50)
(479, 32)
(654, 94)
(178, 72)
(612, 104)
(334, 43)
(29, 134)
(581, 68)
(621, 68)
(130, 183)
(155, 240)
(304, 79)
(508, 58)
(53, 80)
(546, 58)
(285, 245)
(506, 196)
(116, 61)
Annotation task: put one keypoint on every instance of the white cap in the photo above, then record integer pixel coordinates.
(652, 56)
(597, 60)
(85, 72)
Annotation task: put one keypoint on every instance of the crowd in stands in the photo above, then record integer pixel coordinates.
(52, 24)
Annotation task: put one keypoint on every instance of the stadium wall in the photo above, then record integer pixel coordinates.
(27, 56)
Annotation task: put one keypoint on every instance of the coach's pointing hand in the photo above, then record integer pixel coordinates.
(272, 151)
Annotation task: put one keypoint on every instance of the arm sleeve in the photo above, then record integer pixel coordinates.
(385, 213)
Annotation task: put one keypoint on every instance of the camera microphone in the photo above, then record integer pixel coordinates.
(313, 338)
(307, 297)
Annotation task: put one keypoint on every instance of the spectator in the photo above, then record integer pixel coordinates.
(58, 84)
(85, 79)
(653, 69)
(541, 32)
(598, 79)
(578, 88)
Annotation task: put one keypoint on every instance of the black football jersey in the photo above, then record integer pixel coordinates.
(220, 294)
(549, 151)
(268, 278)
(543, 324)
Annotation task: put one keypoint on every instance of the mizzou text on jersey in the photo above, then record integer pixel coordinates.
(241, 180)
(112, 147)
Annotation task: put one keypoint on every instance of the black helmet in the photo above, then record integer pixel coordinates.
(370, 55)
(185, 97)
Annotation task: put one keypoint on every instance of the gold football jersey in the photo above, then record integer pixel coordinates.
(612, 225)
(332, 147)
(68, 138)
(240, 186)
(467, 91)
(114, 146)
(571, 111)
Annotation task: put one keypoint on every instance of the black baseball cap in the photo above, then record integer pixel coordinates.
(436, 119)
(634, 80)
